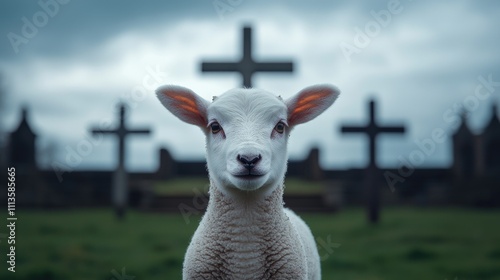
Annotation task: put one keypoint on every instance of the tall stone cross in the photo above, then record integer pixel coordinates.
(247, 66)
(119, 192)
(371, 182)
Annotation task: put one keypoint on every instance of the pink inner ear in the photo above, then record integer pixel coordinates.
(181, 99)
(191, 111)
(184, 104)
(299, 113)
(309, 104)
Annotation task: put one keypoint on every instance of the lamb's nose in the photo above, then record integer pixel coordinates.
(249, 161)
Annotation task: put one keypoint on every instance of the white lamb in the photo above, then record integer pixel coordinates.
(246, 233)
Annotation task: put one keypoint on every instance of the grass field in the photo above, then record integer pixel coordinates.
(410, 244)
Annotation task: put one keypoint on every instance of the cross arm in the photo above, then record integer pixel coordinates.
(219, 67)
(100, 131)
(274, 67)
(353, 129)
(392, 129)
(141, 131)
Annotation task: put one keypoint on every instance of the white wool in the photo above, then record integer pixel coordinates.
(246, 233)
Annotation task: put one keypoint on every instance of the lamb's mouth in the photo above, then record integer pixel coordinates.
(248, 176)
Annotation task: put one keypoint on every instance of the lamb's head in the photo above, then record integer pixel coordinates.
(247, 130)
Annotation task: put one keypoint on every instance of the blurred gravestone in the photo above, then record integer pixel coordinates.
(119, 192)
(371, 182)
(247, 66)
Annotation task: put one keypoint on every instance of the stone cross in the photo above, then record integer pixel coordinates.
(371, 182)
(247, 66)
(119, 191)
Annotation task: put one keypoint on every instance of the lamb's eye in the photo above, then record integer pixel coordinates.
(280, 127)
(216, 128)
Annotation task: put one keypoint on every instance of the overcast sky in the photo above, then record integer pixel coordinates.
(70, 62)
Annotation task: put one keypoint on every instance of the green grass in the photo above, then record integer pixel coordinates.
(409, 243)
(185, 186)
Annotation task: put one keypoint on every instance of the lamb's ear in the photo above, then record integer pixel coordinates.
(310, 103)
(184, 104)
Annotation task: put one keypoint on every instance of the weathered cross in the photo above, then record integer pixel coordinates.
(247, 66)
(372, 130)
(119, 191)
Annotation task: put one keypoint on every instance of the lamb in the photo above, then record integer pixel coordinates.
(246, 233)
